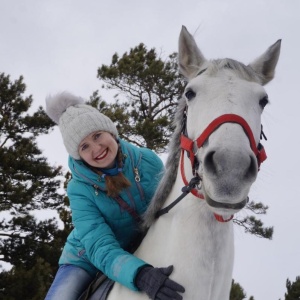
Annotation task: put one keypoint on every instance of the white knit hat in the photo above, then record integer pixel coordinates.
(76, 120)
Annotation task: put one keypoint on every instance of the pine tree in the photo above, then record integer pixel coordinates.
(293, 289)
(254, 226)
(27, 183)
(150, 88)
(237, 292)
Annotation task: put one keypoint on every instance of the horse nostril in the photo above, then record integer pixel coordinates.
(253, 168)
(209, 164)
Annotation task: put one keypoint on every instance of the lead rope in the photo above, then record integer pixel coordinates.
(185, 190)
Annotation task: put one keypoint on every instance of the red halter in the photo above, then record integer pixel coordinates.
(189, 146)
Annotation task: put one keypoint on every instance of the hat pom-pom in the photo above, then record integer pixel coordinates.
(58, 104)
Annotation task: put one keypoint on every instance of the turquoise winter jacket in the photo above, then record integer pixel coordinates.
(102, 229)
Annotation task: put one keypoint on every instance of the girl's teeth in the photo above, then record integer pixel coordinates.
(102, 155)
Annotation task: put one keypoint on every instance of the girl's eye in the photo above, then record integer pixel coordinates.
(84, 147)
(264, 101)
(97, 135)
(190, 94)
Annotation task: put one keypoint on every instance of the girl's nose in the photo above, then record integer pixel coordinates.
(95, 146)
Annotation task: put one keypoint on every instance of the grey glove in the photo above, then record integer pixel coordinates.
(155, 282)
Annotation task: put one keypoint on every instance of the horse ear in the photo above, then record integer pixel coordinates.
(190, 57)
(265, 64)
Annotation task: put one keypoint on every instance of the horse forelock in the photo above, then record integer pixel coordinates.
(241, 70)
(171, 167)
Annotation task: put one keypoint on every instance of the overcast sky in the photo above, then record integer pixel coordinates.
(58, 45)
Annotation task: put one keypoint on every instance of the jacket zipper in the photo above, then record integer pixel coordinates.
(137, 177)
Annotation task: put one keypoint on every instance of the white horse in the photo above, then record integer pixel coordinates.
(216, 140)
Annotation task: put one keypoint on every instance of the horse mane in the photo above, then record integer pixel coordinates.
(171, 166)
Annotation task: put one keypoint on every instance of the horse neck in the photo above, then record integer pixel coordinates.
(199, 247)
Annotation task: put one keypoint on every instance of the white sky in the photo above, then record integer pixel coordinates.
(58, 45)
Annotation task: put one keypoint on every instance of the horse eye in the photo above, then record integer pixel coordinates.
(190, 94)
(264, 101)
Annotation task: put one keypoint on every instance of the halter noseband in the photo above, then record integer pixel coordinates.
(189, 145)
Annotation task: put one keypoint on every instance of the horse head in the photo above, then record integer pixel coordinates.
(224, 100)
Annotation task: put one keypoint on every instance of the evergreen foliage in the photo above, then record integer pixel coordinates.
(254, 226)
(150, 88)
(27, 183)
(237, 292)
(293, 289)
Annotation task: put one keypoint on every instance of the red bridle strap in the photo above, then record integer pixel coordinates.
(188, 144)
(193, 191)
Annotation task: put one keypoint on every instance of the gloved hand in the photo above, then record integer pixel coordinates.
(157, 284)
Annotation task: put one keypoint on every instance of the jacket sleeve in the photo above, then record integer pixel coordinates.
(101, 246)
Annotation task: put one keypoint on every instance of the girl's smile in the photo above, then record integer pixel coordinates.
(99, 149)
(102, 155)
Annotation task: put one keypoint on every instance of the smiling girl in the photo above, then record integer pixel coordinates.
(112, 184)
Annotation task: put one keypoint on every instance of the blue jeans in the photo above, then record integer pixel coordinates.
(69, 283)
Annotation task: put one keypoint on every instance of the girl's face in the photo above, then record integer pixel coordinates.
(99, 149)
